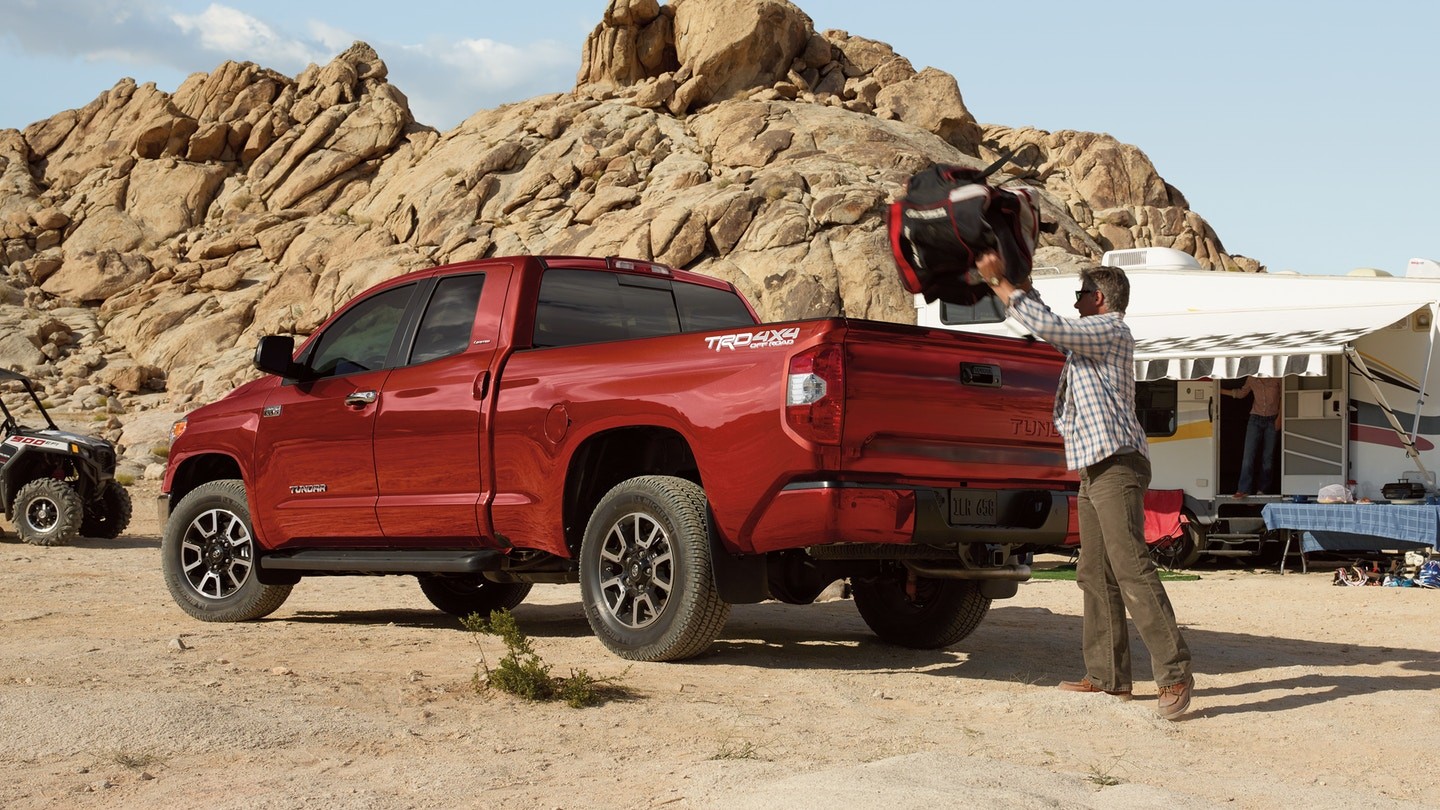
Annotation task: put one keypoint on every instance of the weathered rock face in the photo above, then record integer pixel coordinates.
(1113, 193)
(147, 240)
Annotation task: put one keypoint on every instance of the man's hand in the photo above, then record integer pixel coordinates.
(991, 266)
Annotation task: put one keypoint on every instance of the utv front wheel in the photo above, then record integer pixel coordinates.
(108, 514)
(921, 613)
(48, 512)
(645, 571)
(464, 595)
(208, 553)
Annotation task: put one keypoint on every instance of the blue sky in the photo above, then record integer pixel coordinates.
(1306, 133)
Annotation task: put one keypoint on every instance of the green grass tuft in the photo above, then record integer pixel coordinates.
(521, 671)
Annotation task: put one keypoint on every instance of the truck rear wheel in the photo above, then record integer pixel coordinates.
(208, 553)
(939, 613)
(463, 595)
(645, 571)
(48, 512)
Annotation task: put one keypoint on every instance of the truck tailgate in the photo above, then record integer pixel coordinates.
(937, 404)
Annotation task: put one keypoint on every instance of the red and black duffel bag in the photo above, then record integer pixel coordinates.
(947, 218)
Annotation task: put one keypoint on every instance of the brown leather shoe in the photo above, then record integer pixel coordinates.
(1175, 698)
(1084, 685)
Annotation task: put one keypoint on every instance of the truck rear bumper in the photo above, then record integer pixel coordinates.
(828, 512)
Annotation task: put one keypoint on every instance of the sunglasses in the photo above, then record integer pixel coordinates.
(1082, 293)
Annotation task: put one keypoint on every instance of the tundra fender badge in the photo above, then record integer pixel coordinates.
(308, 489)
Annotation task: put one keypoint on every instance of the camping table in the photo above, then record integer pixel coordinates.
(1355, 526)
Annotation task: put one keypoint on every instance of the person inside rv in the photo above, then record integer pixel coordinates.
(1260, 432)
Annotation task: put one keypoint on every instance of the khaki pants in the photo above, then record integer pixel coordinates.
(1115, 573)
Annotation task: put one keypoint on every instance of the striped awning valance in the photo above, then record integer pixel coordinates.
(1192, 346)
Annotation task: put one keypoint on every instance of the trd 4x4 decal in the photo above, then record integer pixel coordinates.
(763, 339)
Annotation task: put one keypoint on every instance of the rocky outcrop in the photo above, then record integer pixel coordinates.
(147, 240)
(1114, 195)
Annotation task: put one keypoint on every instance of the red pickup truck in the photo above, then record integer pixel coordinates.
(489, 425)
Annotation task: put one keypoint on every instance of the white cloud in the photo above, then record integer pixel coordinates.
(233, 34)
(449, 81)
(332, 38)
(446, 76)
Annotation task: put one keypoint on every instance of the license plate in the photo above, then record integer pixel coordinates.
(975, 507)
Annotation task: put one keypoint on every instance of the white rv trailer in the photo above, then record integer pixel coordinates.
(1357, 354)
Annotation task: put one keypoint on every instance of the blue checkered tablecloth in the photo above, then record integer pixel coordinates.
(1352, 526)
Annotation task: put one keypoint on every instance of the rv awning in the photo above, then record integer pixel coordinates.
(1241, 343)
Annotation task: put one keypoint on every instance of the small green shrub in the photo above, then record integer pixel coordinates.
(124, 479)
(160, 451)
(521, 671)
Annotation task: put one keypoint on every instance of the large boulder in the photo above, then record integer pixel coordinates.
(731, 47)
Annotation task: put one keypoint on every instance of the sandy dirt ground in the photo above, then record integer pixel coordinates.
(356, 693)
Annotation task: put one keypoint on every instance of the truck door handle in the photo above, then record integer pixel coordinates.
(360, 399)
(980, 374)
(482, 385)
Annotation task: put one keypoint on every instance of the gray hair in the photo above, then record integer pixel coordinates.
(1112, 283)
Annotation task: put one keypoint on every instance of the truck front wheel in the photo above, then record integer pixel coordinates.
(208, 553)
(928, 615)
(645, 571)
(463, 595)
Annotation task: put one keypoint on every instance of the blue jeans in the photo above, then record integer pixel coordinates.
(1259, 432)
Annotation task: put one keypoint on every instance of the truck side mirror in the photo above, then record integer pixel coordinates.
(274, 356)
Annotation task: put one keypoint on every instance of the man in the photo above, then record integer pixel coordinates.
(1260, 432)
(1095, 413)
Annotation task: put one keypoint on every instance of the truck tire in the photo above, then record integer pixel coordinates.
(208, 554)
(108, 514)
(464, 595)
(942, 611)
(645, 571)
(48, 512)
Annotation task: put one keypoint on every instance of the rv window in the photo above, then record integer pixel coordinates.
(1155, 406)
(986, 310)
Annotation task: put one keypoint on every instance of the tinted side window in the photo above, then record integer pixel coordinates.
(449, 317)
(576, 307)
(1155, 405)
(583, 306)
(706, 308)
(360, 339)
(649, 307)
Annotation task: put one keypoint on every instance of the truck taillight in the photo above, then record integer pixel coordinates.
(815, 394)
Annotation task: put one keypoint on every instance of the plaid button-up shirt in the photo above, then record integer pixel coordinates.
(1095, 403)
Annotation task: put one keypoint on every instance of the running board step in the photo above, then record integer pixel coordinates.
(1229, 552)
(385, 561)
